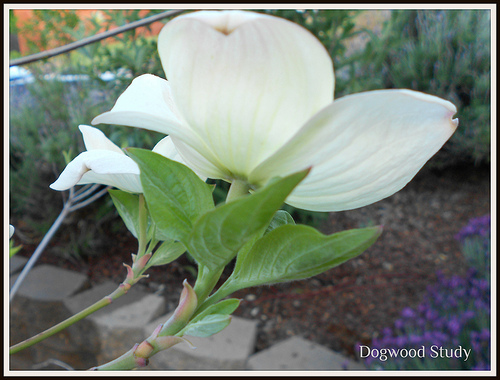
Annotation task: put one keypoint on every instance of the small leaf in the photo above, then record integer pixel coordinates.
(13, 250)
(295, 252)
(227, 306)
(208, 326)
(175, 195)
(127, 205)
(167, 252)
(281, 218)
(220, 233)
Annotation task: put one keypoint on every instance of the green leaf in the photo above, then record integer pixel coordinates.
(208, 326)
(295, 252)
(13, 250)
(227, 306)
(219, 234)
(127, 205)
(281, 218)
(175, 195)
(167, 252)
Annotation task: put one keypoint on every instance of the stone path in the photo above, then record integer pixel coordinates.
(52, 294)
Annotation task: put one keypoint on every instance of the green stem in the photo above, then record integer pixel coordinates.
(143, 225)
(125, 362)
(238, 189)
(225, 290)
(163, 337)
(139, 355)
(121, 290)
(132, 278)
(206, 281)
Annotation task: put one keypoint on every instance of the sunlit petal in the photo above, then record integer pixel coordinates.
(244, 82)
(100, 166)
(94, 139)
(167, 148)
(147, 103)
(362, 148)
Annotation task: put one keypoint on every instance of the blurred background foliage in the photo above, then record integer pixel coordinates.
(443, 53)
(440, 52)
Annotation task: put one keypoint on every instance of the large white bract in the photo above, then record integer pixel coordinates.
(250, 97)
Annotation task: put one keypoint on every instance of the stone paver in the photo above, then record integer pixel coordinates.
(134, 314)
(113, 330)
(16, 264)
(226, 350)
(297, 353)
(120, 325)
(94, 294)
(38, 305)
(49, 283)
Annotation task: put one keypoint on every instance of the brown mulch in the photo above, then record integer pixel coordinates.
(353, 302)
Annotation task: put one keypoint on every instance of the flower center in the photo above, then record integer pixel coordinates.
(224, 29)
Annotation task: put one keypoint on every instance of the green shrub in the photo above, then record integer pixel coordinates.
(336, 29)
(444, 53)
(43, 121)
(44, 115)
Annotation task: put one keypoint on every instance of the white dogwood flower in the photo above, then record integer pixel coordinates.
(105, 163)
(250, 97)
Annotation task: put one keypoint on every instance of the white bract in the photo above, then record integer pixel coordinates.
(105, 163)
(250, 97)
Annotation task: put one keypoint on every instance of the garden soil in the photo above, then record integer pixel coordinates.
(351, 303)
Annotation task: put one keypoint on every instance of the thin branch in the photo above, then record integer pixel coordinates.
(105, 301)
(54, 362)
(89, 40)
(89, 200)
(83, 189)
(69, 207)
(78, 195)
(46, 239)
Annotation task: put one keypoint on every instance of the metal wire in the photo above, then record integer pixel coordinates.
(89, 40)
(70, 205)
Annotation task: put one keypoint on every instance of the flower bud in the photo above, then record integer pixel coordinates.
(164, 342)
(141, 262)
(184, 311)
(144, 350)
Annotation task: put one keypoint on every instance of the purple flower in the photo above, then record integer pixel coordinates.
(456, 282)
(399, 324)
(454, 327)
(481, 367)
(431, 315)
(483, 285)
(422, 307)
(476, 227)
(485, 334)
(387, 332)
(468, 314)
(401, 341)
(415, 339)
(457, 310)
(408, 312)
